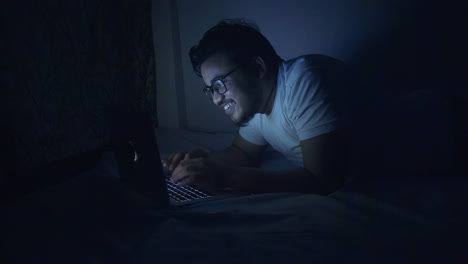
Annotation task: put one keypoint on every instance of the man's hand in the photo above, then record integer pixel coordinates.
(201, 172)
(173, 161)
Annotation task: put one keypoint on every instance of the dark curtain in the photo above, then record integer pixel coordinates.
(61, 62)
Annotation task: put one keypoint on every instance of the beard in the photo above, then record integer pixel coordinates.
(249, 108)
(244, 121)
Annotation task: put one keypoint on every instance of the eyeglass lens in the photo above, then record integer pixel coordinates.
(218, 86)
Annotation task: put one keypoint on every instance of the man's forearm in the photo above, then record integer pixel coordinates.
(233, 157)
(262, 181)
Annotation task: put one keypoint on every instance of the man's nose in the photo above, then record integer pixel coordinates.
(218, 98)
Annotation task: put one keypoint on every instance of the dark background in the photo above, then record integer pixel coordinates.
(61, 61)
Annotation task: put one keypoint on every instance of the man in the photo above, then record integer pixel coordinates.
(290, 105)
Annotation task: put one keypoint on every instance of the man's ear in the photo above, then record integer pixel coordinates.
(259, 67)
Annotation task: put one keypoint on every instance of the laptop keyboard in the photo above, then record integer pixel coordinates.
(184, 193)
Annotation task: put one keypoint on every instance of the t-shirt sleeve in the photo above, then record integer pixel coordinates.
(252, 133)
(313, 112)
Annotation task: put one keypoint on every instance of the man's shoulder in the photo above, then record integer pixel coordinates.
(306, 71)
(302, 78)
(300, 72)
(309, 62)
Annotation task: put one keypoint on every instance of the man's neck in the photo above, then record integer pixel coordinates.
(269, 93)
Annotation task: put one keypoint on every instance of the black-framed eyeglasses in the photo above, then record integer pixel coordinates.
(218, 85)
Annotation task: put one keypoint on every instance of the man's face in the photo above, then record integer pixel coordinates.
(242, 98)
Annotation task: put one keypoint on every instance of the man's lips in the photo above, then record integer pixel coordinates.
(229, 107)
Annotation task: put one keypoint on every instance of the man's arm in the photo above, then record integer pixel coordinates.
(325, 162)
(241, 153)
(325, 159)
(211, 168)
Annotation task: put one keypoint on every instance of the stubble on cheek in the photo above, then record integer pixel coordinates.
(247, 112)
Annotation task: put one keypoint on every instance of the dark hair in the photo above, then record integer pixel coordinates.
(240, 39)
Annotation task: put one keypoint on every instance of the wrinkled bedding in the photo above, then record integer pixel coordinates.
(94, 219)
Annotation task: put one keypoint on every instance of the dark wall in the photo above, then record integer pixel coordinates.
(412, 92)
(61, 62)
(425, 48)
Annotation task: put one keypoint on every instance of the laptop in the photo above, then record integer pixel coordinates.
(133, 141)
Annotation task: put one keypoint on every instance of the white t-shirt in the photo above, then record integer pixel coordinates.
(305, 106)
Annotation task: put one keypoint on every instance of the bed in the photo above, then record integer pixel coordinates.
(93, 218)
